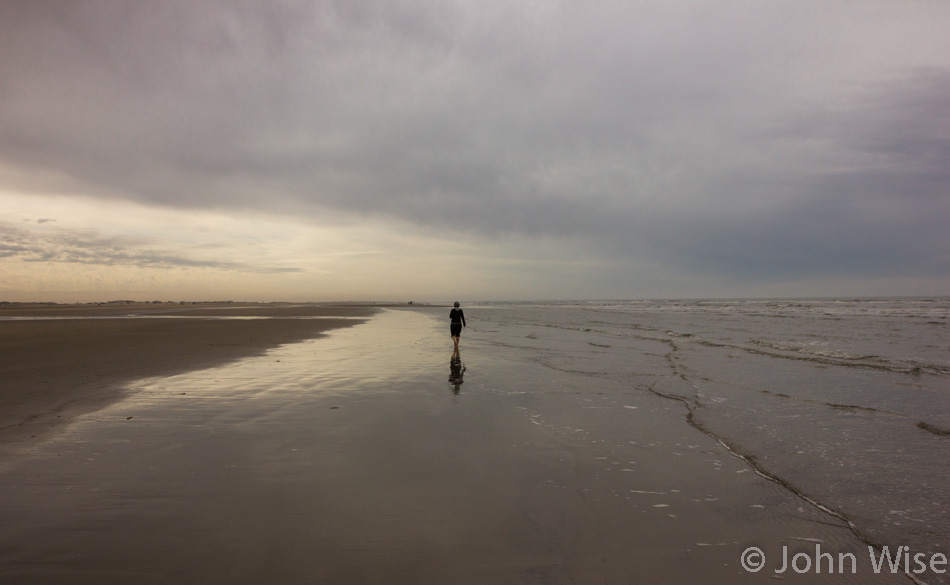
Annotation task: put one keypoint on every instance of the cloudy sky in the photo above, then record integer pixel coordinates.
(428, 150)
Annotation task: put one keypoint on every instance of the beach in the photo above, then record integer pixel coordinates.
(349, 445)
(60, 361)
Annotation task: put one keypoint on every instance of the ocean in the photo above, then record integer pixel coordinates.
(845, 402)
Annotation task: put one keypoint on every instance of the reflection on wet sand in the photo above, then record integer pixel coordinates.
(456, 371)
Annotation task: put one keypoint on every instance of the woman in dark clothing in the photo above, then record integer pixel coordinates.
(458, 321)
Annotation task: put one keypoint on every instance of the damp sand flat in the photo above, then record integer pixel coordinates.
(56, 362)
(353, 459)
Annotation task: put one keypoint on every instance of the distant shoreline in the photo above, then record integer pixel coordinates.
(41, 308)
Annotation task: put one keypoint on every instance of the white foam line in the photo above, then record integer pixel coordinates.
(814, 503)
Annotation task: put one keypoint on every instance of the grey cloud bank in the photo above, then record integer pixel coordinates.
(751, 143)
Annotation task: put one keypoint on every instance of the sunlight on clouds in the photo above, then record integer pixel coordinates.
(78, 249)
(69, 249)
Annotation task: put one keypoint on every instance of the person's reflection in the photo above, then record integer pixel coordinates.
(456, 370)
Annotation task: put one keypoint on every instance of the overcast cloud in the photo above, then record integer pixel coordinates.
(555, 149)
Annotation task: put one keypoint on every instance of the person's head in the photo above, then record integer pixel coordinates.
(456, 304)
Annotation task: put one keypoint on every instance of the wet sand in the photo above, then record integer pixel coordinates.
(371, 455)
(74, 359)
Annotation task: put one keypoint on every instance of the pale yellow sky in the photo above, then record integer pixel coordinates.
(81, 249)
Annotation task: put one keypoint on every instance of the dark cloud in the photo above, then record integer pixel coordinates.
(873, 203)
(700, 135)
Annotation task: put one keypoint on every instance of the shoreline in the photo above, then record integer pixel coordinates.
(63, 361)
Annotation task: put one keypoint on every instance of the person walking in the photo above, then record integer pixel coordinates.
(458, 321)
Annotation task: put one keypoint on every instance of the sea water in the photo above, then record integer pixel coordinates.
(843, 401)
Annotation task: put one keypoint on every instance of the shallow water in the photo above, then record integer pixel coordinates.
(845, 401)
